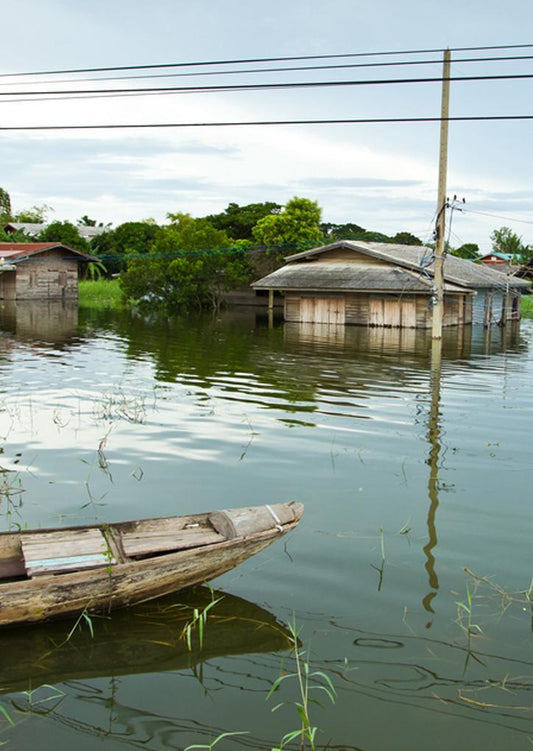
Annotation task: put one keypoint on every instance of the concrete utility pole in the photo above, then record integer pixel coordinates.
(438, 276)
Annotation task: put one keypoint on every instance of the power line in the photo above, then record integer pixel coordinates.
(465, 210)
(273, 86)
(286, 69)
(251, 123)
(161, 66)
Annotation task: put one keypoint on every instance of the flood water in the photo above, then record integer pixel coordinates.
(409, 575)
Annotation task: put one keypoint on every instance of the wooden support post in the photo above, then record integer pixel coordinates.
(438, 275)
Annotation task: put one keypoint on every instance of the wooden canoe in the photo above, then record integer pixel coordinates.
(51, 573)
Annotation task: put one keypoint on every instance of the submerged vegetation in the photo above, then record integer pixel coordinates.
(100, 293)
(527, 306)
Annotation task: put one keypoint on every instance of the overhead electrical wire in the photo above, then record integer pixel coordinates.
(287, 69)
(466, 210)
(251, 123)
(273, 86)
(243, 61)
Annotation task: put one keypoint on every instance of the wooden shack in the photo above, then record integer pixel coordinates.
(39, 271)
(381, 284)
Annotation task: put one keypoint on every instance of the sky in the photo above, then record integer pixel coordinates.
(380, 176)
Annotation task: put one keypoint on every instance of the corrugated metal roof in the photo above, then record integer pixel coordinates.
(415, 257)
(30, 228)
(337, 276)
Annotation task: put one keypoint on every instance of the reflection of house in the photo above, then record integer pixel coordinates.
(381, 284)
(41, 271)
(50, 321)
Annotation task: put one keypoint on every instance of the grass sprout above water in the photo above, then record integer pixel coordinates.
(309, 683)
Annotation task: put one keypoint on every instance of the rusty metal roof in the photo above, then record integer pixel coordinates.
(15, 251)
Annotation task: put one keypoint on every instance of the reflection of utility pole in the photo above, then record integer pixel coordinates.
(438, 275)
(433, 482)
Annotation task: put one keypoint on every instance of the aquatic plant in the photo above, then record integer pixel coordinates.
(197, 624)
(308, 682)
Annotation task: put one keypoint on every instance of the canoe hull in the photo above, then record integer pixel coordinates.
(130, 582)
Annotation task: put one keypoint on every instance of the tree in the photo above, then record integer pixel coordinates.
(128, 239)
(374, 237)
(406, 238)
(347, 231)
(504, 240)
(34, 215)
(297, 226)
(239, 221)
(468, 250)
(189, 265)
(84, 221)
(5, 206)
(65, 233)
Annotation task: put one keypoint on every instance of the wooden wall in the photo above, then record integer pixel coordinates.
(51, 275)
(348, 256)
(379, 310)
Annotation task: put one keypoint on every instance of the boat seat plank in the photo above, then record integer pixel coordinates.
(61, 551)
(137, 543)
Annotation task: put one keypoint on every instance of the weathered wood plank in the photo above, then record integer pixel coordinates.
(65, 550)
(41, 597)
(240, 522)
(145, 543)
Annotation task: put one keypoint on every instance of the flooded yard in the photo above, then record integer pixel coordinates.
(409, 577)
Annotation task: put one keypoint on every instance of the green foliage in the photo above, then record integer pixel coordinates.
(309, 683)
(14, 237)
(66, 233)
(504, 240)
(130, 238)
(239, 221)
(189, 265)
(468, 250)
(334, 232)
(527, 306)
(95, 270)
(100, 293)
(374, 237)
(34, 215)
(297, 226)
(86, 222)
(5, 206)
(406, 238)
(209, 746)
(198, 623)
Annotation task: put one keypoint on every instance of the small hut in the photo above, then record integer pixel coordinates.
(39, 271)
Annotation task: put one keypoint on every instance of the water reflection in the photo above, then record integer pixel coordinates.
(498, 692)
(359, 424)
(53, 321)
(146, 638)
(433, 434)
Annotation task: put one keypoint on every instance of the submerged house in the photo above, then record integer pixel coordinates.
(381, 284)
(39, 271)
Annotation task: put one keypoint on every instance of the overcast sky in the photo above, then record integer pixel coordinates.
(383, 177)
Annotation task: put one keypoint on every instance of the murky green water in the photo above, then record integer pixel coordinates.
(416, 488)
